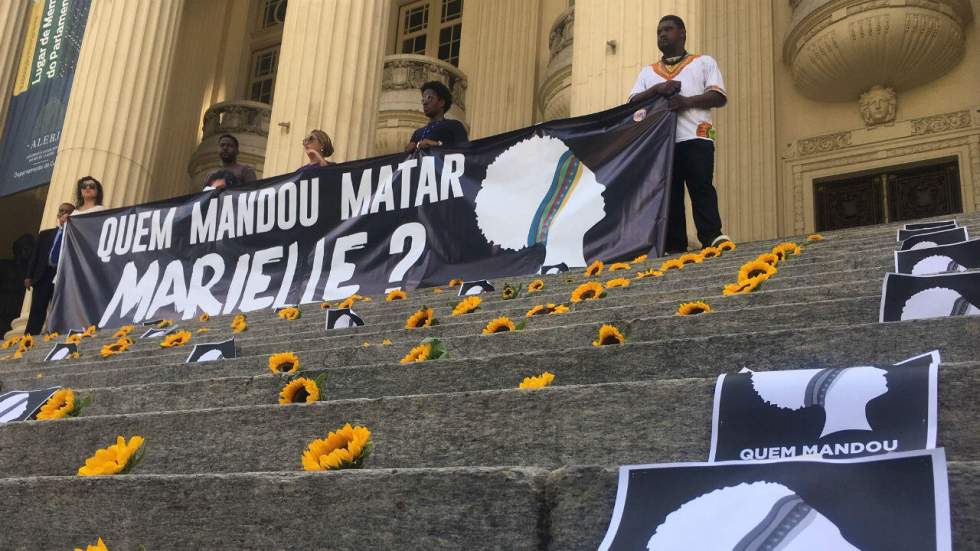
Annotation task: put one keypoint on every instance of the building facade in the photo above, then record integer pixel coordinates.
(841, 112)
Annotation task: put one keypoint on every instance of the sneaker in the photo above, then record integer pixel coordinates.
(720, 239)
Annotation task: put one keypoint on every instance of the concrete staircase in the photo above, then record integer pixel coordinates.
(463, 460)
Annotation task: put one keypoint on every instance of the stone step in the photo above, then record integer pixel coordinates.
(264, 386)
(512, 508)
(665, 419)
(579, 326)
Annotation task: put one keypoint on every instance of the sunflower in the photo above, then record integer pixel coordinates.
(672, 264)
(74, 356)
(120, 457)
(238, 323)
(693, 308)
(438, 290)
(10, 342)
(499, 325)
(51, 336)
(123, 331)
(738, 288)
(619, 266)
(349, 301)
(203, 317)
(112, 349)
(288, 313)
(299, 391)
(726, 246)
(19, 353)
(324, 306)
(418, 354)
(74, 338)
(617, 282)
(346, 448)
(454, 282)
(284, 362)
(589, 290)
(509, 292)
(535, 286)
(814, 237)
(423, 317)
(768, 258)
(396, 294)
(27, 342)
(386, 342)
(609, 334)
(202, 330)
(691, 258)
(787, 249)
(60, 404)
(594, 269)
(710, 252)
(177, 338)
(641, 258)
(649, 273)
(89, 331)
(546, 309)
(164, 323)
(466, 305)
(97, 547)
(753, 269)
(538, 381)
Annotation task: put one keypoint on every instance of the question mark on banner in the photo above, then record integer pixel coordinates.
(415, 232)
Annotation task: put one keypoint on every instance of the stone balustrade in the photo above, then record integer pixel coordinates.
(554, 96)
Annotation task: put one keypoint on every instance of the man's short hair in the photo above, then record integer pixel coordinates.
(675, 20)
(226, 175)
(230, 137)
(440, 90)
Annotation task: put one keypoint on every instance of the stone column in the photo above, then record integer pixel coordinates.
(112, 124)
(739, 35)
(498, 54)
(614, 39)
(13, 14)
(329, 78)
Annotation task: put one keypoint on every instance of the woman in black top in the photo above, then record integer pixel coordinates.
(436, 100)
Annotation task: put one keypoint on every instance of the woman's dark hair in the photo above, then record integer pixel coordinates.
(78, 190)
(324, 139)
(440, 90)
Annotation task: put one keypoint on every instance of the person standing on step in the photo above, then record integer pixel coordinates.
(228, 152)
(693, 85)
(440, 131)
(41, 270)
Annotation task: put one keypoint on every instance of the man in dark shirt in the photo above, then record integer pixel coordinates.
(228, 151)
(436, 101)
(41, 270)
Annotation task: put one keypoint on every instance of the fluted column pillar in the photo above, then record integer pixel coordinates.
(329, 78)
(112, 124)
(498, 56)
(739, 35)
(614, 39)
(13, 13)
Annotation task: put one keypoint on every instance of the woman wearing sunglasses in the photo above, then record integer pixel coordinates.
(317, 147)
(88, 196)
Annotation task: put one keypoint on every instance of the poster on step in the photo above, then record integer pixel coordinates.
(941, 259)
(834, 412)
(895, 501)
(909, 297)
(911, 230)
(21, 405)
(933, 239)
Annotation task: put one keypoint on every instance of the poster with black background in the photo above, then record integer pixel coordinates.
(931, 239)
(833, 412)
(883, 503)
(909, 297)
(911, 230)
(958, 257)
(563, 192)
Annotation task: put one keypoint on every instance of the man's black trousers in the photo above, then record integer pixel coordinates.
(694, 163)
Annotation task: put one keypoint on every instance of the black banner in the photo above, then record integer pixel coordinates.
(832, 412)
(563, 192)
(893, 501)
(50, 49)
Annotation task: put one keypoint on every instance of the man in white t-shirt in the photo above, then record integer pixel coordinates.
(693, 86)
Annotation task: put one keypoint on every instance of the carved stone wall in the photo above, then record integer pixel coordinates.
(248, 121)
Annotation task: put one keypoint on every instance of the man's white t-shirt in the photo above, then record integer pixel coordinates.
(697, 74)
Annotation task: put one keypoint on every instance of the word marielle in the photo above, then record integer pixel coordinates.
(282, 208)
